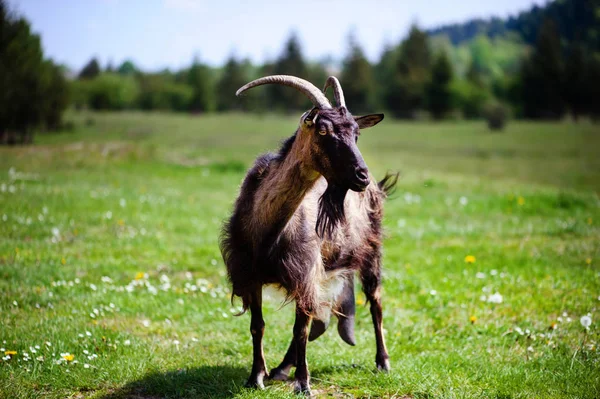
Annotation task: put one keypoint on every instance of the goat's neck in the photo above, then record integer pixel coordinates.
(283, 190)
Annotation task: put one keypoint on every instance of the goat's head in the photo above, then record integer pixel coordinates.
(329, 134)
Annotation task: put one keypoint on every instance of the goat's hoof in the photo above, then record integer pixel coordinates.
(256, 381)
(383, 365)
(302, 388)
(278, 374)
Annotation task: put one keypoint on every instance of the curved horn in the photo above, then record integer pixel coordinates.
(308, 89)
(338, 93)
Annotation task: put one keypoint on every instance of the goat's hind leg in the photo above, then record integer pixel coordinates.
(282, 372)
(370, 274)
(302, 378)
(296, 356)
(257, 329)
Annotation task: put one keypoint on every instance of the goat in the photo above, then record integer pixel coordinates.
(305, 220)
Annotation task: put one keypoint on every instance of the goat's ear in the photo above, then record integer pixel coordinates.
(368, 120)
(311, 117)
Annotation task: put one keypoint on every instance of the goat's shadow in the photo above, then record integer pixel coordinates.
(200, 382)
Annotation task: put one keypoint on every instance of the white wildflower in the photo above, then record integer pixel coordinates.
(495, 298)
(586, 321)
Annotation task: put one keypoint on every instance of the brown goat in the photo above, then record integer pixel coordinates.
(305, 220)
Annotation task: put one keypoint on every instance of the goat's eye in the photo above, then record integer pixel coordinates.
(323, 132)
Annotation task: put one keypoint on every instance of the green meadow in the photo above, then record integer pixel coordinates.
(112, 284)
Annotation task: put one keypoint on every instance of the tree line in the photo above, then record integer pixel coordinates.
(421, 76)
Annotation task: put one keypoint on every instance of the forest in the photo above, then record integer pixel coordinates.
(541, 64)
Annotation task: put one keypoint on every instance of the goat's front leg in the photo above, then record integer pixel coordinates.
(370, 275)
(257, 329)
(302, 378)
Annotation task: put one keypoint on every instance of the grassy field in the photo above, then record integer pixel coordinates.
(112, 284)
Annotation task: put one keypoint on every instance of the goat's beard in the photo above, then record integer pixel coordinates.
(331, 210)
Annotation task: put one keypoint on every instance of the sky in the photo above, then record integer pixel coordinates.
(158, 34)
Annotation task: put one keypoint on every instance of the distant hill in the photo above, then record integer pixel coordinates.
(576, 20)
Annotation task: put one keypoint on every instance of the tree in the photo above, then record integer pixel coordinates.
(291, 62)
(357, 79)
(90, 70)
(593, 91)
(233, 78)
(576, 80)
(33, 90)
(439, 93)
(385, 75)
(127, 68)
(200, 80)
(111, 91)
(542, 75)
(406, 93)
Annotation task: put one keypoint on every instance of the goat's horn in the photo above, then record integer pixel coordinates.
(308, 89)
(338, 93)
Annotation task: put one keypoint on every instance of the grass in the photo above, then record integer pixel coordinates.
(109, 253)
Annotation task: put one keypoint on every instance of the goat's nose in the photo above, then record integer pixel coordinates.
(362, 174)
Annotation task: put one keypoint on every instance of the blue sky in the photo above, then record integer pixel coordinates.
(168, 33)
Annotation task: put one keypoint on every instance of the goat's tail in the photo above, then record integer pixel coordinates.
(387, 185)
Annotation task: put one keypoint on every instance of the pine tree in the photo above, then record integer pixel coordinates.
(411, 76)
(291, 62)
(200, 80)
(385, 76)
(233, 78)
(357, 79)
(439, 93)
(32, 90)
(576, 80)
(90, 70)
(542, 76)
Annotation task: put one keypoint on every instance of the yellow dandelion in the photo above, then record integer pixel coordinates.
(521, 201)
(121, 222)
(10, 353)
(472, 319)
(63, 261)
(470, 259)
(360, 301)
(588, 261)
(139, 275)
(68, 357)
